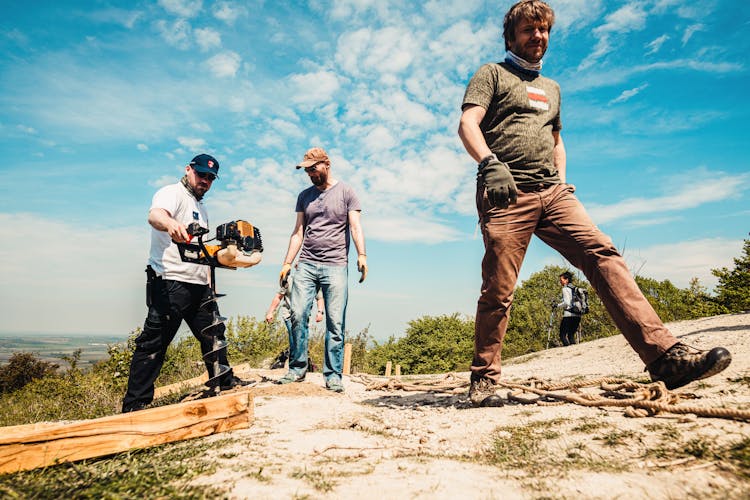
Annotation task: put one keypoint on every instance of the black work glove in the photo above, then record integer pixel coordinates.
(501, 189)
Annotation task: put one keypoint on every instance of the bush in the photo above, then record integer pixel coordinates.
(22, 369)
(733, 290)
(430, 345)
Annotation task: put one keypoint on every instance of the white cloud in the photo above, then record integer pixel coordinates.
(690, 31)
(164, 180)
(182, 8)
(228, 12)
(690, 190)
(682, 261)
(357, 9)
(579, 81)
(627, 94)
(176, 34)
(192, 143)
(384, 51)
(630, 17)
(655, 45)
(574, 15)
(207, 38)
(225, 64)
(142, 147)
(445, 11)
(312, 89)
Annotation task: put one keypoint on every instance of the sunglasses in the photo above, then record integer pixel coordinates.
(205, 175)
(312, 168)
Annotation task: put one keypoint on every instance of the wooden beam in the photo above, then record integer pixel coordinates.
(347, 359)
(387, 368)
(25, 447)
(398, 370)
(193, 382)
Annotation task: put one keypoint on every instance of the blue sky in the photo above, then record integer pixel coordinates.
(103, 102)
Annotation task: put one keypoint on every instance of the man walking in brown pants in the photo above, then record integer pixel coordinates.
(510, 125)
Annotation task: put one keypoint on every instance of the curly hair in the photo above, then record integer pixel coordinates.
(534, 10)
(568, 276)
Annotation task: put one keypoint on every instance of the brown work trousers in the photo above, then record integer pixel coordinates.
(556, 216)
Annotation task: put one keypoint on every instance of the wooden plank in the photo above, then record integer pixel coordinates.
(24, 447)
(347, 359)
(193, 382)
(387, 368)
(398, 370)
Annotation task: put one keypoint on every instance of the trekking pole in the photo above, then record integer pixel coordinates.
(549, 328)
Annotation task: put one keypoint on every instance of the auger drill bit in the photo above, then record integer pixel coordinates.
(213, 355)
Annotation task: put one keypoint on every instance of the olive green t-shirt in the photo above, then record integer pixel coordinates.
(522, 112)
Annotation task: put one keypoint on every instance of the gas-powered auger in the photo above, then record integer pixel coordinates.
(240, 245)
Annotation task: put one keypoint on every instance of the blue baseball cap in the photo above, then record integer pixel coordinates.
(206, 164)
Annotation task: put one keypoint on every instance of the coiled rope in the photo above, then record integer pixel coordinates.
(638, 399)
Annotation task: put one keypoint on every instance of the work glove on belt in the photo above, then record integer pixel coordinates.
(284, 274)
(498, 181)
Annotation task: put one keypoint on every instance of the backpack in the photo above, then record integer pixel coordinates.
(580, 303)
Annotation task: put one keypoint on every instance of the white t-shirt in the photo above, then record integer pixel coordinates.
(165, 257)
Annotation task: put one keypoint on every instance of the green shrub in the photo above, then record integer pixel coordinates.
(733, 290)
(22, 369)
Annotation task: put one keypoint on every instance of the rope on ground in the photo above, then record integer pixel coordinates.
(638, 399)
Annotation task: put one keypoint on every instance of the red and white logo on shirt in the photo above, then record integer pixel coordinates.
(537, 98)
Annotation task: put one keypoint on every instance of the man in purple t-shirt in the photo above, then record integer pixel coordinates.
(328, 213)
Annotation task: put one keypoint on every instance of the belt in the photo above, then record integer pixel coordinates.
(533, 188)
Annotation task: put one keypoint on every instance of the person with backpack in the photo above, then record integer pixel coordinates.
(571, 310)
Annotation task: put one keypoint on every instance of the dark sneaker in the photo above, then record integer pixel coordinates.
(482, 392)
(234, 382)
(682, 364)
(289, 378)
(334, 385)
(135, 407)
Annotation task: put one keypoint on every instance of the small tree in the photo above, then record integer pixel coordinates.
(23, 368)
(733, 290)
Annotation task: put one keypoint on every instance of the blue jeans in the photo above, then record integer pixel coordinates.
(333, 281)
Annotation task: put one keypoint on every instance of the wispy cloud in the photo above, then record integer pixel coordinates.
(576, 81)
(182, 8)
(690, 31)
(192, 143)
(655, 45)
(627, 94)
(689, 190)
(630, 17)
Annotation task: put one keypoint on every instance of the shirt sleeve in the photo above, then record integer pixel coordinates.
(567, 294)
(352, 200)
(481, 88)
(166, 199)
(557, 121)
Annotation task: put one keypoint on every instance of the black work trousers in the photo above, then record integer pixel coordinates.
(170, 303)
(568, 328)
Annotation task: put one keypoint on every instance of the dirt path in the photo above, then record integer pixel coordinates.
(309, 443)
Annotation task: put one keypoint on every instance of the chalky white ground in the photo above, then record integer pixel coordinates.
(306, 442)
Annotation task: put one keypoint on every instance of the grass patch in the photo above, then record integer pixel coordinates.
(618, 438)
(589, 426)
(160, 472)
(316, 479)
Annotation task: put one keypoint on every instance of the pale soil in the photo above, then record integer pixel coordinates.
(306, 442)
